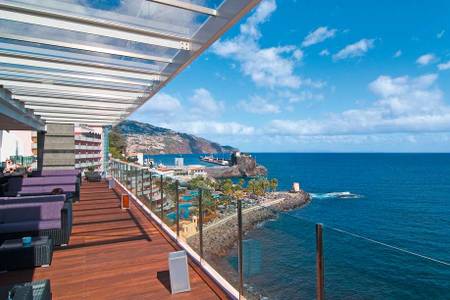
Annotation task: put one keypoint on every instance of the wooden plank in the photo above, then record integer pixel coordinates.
(113, 254)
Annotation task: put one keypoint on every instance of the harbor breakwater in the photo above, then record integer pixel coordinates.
(220, 236)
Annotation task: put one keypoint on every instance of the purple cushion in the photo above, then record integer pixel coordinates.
(19, 212)
(64, 172)
(32, 181)
(46, 189)
(28, 199)
(30, 226)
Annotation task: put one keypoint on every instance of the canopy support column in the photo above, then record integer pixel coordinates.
(105, 144)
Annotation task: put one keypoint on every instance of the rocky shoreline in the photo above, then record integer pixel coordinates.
(220, 236)
(242, 167)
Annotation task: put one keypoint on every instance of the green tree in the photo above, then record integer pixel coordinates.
(117, 144)
(273, 184)
(251, 186)
(228, 187)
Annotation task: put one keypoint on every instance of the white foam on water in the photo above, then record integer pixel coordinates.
(336, 195)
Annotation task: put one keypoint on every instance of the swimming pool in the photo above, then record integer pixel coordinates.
(183, 210)
(187, 197)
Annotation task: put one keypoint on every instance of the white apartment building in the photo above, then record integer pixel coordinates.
(88, 147)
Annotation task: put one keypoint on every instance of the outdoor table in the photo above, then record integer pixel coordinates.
(14, 255)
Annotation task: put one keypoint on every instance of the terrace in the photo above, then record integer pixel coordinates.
(86, 63)
(64, 64)
(113, 254)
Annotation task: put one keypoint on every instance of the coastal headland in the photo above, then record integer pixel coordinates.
(241, 166)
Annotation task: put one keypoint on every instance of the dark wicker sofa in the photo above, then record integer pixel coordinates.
(48, 215)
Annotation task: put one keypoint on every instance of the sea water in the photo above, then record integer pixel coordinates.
(379, 210)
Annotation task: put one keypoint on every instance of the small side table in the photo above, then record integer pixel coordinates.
(36, 290)
(14, 255)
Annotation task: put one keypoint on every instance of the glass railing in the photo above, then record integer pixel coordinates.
(25, 161)
(264, 252)
(370, 269)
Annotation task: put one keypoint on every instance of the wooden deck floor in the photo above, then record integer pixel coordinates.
(113, 254)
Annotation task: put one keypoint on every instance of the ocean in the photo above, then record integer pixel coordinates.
(386, 224)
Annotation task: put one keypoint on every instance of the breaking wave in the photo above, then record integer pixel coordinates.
(338, 195)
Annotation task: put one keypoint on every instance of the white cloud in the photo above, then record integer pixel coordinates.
(403, 105)
(426, 59)
(304, 95)
(211, 128)
(202, 102)
(263, 12)
(398, 53)
(161, 105)
(197, 116)
(359, 48)
(440, 34)
(319, 35)
(444, 66)
(298, 54)
(324, 52)
(259, 105)
(272, 67)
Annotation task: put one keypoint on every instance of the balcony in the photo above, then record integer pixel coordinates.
(97, 263)
(320, 260)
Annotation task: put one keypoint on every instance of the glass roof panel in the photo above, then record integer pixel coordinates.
(89, 40)
(44, 52)
(53, 79)
(142, 13)
(109, 51)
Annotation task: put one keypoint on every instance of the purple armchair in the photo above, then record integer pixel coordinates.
(30, 186)
(36, 216)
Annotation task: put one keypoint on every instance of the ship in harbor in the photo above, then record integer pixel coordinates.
(215, 160)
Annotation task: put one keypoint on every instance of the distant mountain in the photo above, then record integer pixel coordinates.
(146, 138)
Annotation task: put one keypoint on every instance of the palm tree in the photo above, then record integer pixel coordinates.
(273, 184)
(227, 187)
(251, 186)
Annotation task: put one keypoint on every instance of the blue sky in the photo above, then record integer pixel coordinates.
(344, 76)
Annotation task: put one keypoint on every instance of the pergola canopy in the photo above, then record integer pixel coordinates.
(95, 62)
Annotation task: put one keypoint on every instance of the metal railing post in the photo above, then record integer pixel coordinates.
(240, 249)
(151, 190)
(320, 279)
(161, 190)
(142, 183)
(177, 197)
(136, 181)
(200, 221)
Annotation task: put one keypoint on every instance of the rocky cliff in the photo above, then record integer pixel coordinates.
(146, 138)
(244, 167)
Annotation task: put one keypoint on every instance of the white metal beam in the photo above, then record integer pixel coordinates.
(69, 76)
(187, 6)
(95, 49)
(38, 109)
(90, 122)
(83, 59)
(76, 120)
(79, 96)
(46, 115)
(51, 18)
(71, 89)
(102, 103)
(28, 60)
